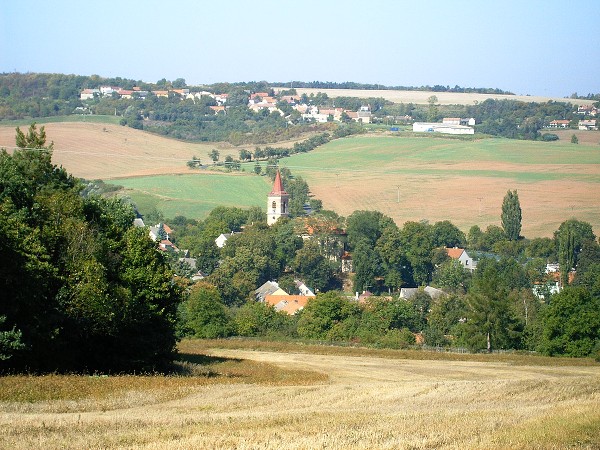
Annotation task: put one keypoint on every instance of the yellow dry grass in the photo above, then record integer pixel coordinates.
(367, 403)
(444, 98)
(104, 151)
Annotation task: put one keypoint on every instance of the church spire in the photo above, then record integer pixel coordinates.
(277, 201)
(278, 186)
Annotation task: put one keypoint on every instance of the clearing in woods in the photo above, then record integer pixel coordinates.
(337, 399)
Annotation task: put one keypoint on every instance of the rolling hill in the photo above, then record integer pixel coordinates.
(405, 177)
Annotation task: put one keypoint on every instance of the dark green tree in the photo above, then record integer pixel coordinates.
(570, 238)
(324, 315)
(313, 268)
(511, 215)
(204, 315)
(571, 323)
(490, 322)
(214, 155)
(446, 234)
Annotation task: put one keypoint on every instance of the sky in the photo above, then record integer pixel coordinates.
(535, 47)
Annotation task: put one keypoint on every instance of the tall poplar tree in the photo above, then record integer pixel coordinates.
(511, 215)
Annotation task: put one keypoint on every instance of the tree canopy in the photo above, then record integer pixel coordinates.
(81, 288)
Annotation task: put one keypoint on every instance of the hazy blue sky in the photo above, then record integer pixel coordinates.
(545, 47)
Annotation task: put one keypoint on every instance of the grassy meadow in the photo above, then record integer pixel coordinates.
(250, 394)
(195, 195)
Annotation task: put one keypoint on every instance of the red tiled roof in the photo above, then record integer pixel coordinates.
(293, 303)
(454, 253)
(278, 186)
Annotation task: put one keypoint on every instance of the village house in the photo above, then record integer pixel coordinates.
(559, 124)
(160, 231)
(88, 94)
(588, 125)
(125, 93)
(587, 110)
(221, 240)
(267, 288)
(218, 109)
(221, 99)
(552, 285)
(271, 294)
(289, 304)
(461, 255)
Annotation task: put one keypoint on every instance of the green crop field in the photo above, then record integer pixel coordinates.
(195, 195)
(356, 152)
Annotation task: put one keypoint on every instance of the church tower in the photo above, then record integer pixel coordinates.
(277, 202)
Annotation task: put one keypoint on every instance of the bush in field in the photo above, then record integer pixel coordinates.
(571, 324)
(549, 137)
(397, 338)
(325, 313)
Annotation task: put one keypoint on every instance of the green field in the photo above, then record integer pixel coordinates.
(194, 196)
(364, 153)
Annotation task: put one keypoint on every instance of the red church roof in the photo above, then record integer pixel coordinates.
(278, 186)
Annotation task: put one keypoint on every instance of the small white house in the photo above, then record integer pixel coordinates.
(222, 239)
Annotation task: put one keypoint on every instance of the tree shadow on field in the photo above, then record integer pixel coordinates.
(204, 360)
(194, 364)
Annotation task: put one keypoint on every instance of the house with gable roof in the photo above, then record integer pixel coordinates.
(160, 231)
(267, 288)
(289, 304)
(221, 240)
(461, 255)
(588, 124)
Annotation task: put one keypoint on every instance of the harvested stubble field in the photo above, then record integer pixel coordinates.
(444, 98)
(300, 397)
(106, 151)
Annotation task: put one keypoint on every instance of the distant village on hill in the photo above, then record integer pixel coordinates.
(272, 103)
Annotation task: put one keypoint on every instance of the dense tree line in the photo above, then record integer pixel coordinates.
(367, 86)
(80, 289)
